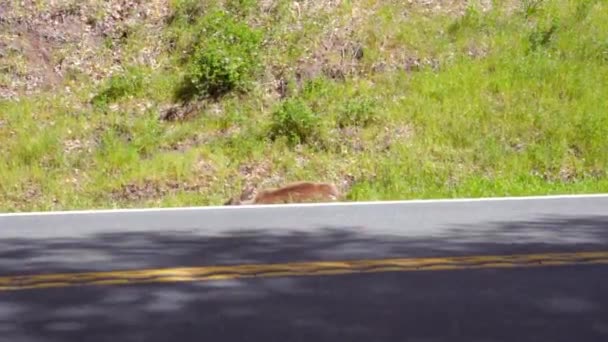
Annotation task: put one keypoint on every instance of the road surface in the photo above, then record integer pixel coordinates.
(531, 269)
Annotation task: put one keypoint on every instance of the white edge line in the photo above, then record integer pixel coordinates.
(295, 205)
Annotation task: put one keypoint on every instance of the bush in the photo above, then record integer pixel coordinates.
(226, 57)
(294, 120)
(357, 112)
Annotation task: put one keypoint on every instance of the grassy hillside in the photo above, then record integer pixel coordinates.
(183, 102)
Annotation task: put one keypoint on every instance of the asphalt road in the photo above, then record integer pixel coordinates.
(546, 303)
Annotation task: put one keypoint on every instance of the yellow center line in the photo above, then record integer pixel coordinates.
(314, 268)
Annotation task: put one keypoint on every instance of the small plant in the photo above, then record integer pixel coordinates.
(471, 20)
(357, 112)
(531, 7)
(241, 7)
(540, 37)
(186, 10)
(225, 59)
(316, 88)
(294, 120)
(119, 86)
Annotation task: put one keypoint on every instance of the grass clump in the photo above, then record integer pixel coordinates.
(359, 112)
(294, 120)
(118, 87)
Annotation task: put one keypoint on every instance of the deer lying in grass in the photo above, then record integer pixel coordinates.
(298, 192)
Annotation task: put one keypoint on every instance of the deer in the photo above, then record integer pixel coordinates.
(297, 192)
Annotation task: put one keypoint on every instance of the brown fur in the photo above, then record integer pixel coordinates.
(298, 192)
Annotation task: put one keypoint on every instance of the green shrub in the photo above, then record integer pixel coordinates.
(226, 57)
(357, 112)
(294, 120)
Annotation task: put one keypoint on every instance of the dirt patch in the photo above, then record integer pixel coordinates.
(205, 175)
(188, 143)
(152, 189)
(337, 56)
(348, 139)
(339, 53)
(394, 135)
(205, 168)
(249, 175)
(351, 140)
(78, 145)
(477, 51)
(345, 183)
(200, 139)
(24, 194)
(259, 175)
(181, 111)
(49, 40)
(454, 7)
(255, 172)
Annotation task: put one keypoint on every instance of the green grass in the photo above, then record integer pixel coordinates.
(500, 102)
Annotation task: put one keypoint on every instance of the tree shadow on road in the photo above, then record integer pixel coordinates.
(482, 305)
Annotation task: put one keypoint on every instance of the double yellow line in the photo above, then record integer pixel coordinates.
(316, 268)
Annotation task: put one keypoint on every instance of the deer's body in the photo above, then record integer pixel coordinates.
(298, 192)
